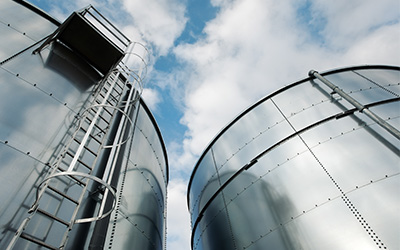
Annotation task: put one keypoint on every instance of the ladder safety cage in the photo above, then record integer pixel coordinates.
(136, 61)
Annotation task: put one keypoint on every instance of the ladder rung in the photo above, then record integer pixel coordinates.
(101, 117)
(115, 99)
(116, 91)
(97, 126)
(121, 86)
(91, 136)
(63, 194)
(114, 103)
(101, 129)
(117, 83)
(52, 216)
(73, 177)
(87, 148)
(105, 109)
(104, 119)
(80, 161)
(119, 93)
(37, 241)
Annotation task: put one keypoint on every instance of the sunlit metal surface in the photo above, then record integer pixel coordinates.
(303, 168)
(16, 26)
(58, 183)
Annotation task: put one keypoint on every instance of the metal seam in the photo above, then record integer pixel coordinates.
(344, 197)
(377, 84)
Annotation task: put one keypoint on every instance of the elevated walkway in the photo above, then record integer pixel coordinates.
(91, 36)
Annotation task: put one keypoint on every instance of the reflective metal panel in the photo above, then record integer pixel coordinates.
(30, 97)
(360, 88)
(358, 166)
(137, 221)
(20, 42)
(259, 129)
(387, 79)
(380, 213)
(294, 172)
(390, 112)
(152, 140)
(38, 108)
(25, 21)
(330, 226)
(310, 171)
(205, 174)
(214, 231)
(20, 28)
(305, 104)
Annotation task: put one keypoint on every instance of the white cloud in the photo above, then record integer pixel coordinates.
(178, 161)
(152, 98)
(380, 46)
(178, 227)
(348, 22)
(160, 21)
(169, 82)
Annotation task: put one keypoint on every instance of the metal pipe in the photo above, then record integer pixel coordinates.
(112, 161)
(392, 130)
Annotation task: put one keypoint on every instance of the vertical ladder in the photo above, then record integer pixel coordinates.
(60, 195)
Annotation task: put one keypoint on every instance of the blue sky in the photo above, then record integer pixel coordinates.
(212, 59)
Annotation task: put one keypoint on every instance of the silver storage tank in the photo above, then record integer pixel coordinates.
(82, 161)
(314, 165)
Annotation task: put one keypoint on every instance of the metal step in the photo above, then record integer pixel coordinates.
(105, 109)
(91, 136)
(37, 241)
(73, 177)
(116, 91)
(63, 194)
(112, 78)
(44, 212)
(85, 147)
(80, 161)
(97, 126)
(93, 112)
(113, 98)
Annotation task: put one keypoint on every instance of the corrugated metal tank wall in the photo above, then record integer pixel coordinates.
(304, 169)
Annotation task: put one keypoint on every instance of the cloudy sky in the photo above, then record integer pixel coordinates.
(210, 59)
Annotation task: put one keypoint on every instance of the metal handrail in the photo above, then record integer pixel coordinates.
(88, 9)
(392, 130)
